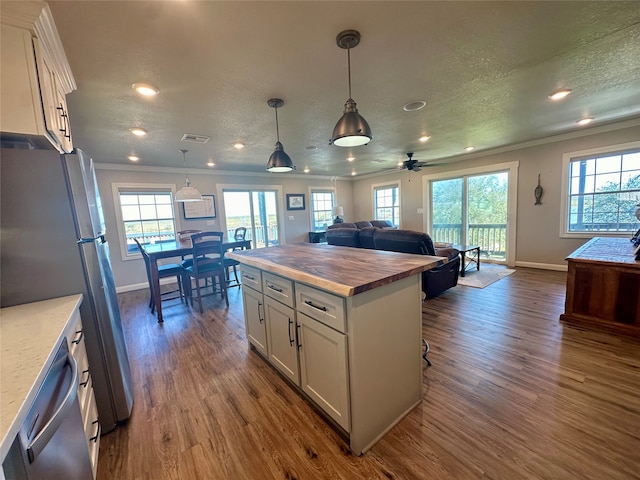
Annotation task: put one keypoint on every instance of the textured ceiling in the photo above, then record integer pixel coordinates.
(484, 69)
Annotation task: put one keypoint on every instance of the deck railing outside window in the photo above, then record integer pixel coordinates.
(492, 238)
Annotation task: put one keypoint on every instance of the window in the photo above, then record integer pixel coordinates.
(146, 213)
(386, 203)
(602, 188)
(321, 209)
(257, 211)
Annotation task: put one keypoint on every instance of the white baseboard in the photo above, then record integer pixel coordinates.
(142, 286)
(543, 266)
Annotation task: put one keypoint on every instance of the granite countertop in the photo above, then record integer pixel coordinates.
(344, 271)
(30, 335)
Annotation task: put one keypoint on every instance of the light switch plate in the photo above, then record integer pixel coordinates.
(211, 222)
(290, 217)
(420, 210)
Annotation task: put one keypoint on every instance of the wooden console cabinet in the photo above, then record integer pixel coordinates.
(603, 285)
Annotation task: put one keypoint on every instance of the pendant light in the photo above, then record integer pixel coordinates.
(352, 130)
(187, 193)
(279, 161)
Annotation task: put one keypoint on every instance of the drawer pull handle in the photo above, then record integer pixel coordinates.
(279, 290)
(86, 382)
(97, 435)
(289, 332)
(249, 277)
(79, 339)
(311, 304)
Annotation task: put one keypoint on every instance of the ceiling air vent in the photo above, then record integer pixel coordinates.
(190, 137)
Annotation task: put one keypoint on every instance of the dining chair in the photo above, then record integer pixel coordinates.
(239, 235)
(208, 262)
(164, 271)
(187, 260)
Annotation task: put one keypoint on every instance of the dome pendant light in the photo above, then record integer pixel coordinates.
(187, 193)
(352, 130)
(279, 161)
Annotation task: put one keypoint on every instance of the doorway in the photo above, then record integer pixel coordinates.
(256, 210)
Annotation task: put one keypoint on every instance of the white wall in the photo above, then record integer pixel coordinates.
(538, 241)
(129, 273)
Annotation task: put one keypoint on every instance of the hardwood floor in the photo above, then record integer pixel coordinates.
(512, 394)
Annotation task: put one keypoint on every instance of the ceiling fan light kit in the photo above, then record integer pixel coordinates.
(279, 161)
(352, 130)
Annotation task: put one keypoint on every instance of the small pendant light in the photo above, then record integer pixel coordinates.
(279, 161)
(352, 130)
(187, 193)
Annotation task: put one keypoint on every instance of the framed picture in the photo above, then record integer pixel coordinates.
(204, 209)
(295, 201)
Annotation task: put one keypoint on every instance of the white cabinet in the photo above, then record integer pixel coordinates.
(310, 350)
(254, 319)
(323, 368)
(86, 396)
(35, 78)
(281, 337)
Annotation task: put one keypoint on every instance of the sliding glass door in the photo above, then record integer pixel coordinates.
(257, 211)
(472, 210)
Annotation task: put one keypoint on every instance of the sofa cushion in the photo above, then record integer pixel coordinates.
(363, 224)
(343, 237)
(341, 225)
(382, 224)
(448, 252)
(404, 241)
(366, 237)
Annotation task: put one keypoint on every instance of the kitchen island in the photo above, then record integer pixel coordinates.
(343, 326)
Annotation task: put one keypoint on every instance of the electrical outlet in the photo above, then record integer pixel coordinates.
(211, 222)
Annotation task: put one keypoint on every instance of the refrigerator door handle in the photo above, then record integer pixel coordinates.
(48, 431)
(92, 239)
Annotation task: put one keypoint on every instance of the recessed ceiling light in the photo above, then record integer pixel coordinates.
(133, 158)
(146, 89)
(560, 94)
(470, 148)
(210, 163)
(400, 163)
(306, 170)
(353, 172)
(138, 132)
(424, 138)
(238, 145)
(351, 159)
(414, 106)
(585, 121)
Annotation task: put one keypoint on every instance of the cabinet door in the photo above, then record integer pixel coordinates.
(254, 319)
(323, 368)
(281, 338)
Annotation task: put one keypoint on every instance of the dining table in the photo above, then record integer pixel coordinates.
(176, 248)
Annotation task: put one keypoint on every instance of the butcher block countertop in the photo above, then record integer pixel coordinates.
(344, 271)
(30, 335)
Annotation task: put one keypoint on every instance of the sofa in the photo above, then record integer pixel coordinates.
(434, 281)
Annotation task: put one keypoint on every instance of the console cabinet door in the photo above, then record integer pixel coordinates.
(254, 319)
(281, 338)
(323, 368)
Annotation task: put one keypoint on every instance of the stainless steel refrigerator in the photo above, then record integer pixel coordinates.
(53, 242)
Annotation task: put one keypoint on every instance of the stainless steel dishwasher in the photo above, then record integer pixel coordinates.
(51, 443)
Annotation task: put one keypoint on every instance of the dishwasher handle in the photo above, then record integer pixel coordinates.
(48, 431)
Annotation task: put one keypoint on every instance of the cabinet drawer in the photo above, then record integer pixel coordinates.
(278, 288)
(251, 276)
(324, 307)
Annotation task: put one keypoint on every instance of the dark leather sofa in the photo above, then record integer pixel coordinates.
(434, 281)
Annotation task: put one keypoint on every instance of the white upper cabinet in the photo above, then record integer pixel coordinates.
(35, 78)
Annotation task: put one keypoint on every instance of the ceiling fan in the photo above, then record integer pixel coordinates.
(415, 165)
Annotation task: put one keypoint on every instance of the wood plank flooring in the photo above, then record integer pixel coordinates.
(512, 394)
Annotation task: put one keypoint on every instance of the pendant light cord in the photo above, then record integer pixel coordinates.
(349, 68)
